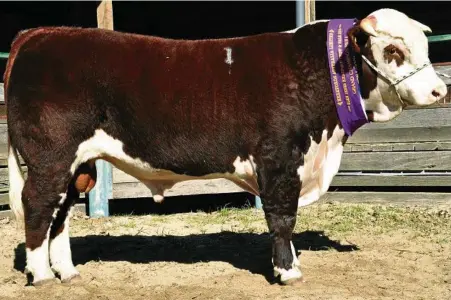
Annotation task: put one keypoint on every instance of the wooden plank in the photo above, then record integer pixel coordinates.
(415, 118)
(415, 125)
(4, 157)
(4, 199)
(389, 198)
(401, 135)
(102, 191)
(397, 161)
(192, 187)
(390, 147)
(4, 178)
(390, 181)
(3, 132)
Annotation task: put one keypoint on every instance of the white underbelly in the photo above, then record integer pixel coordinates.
(103, 146)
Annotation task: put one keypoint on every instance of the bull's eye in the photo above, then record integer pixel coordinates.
(391, 52)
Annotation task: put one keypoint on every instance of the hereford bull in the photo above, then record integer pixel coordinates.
(257, 110)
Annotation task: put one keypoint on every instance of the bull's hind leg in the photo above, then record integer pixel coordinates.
(60, 252)
(42, 195)
(280, 191)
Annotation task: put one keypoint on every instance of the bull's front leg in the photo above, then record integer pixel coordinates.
(280, 192)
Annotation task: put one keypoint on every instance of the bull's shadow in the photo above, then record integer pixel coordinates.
(248, 251)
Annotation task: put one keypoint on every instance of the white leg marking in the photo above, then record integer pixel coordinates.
(288, 275)
(63, 198)
(38, 261)
(60, 253)
(294, 272)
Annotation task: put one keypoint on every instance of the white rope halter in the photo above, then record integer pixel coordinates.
(395, 82)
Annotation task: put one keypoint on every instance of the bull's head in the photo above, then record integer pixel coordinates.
(395, 66)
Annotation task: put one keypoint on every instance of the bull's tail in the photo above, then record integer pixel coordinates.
(16, 183)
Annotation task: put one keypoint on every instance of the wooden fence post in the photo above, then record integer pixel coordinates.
(310, 12)
(105, 15)
(103, 190)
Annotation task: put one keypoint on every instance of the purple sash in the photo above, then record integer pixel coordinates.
(344, 77)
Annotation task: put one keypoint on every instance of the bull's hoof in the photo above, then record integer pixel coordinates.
(45, 282)
(74, 279)
(289, 277)
(292, 281)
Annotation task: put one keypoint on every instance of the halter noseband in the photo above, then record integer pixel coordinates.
(395, 82)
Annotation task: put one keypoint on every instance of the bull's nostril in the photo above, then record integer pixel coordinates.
(435, 93)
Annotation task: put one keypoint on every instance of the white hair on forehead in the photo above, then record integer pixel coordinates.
(398, 24)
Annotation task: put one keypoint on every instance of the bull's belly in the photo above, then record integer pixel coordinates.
(321, 164)
(158, 181)
(103, 146)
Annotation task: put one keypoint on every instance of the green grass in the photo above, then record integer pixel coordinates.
(336, 220)
(375, 219)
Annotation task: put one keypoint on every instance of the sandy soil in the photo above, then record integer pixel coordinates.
(346, 252)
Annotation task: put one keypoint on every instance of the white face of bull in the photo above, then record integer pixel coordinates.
(399, 46)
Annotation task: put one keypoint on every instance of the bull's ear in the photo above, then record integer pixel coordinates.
(369, 25)
(357, 37)
(422, 26)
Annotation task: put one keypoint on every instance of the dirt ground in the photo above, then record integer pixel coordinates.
(346, 252)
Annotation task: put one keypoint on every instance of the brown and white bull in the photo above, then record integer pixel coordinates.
(256, 110)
